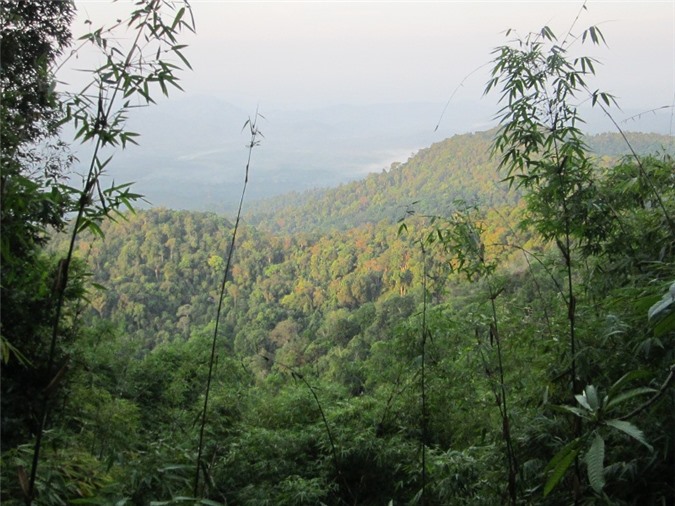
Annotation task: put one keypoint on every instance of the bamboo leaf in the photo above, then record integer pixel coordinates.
(178, 17)
(93, 228)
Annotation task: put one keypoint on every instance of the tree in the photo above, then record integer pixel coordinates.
(580, 212)
(35, 199)
(33, 35)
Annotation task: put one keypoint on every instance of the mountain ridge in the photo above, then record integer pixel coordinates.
(459, 168)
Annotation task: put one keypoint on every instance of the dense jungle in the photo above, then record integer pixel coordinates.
(489, 322)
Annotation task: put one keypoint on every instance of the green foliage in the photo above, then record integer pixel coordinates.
(540, 144)
(595, 460)
(36, 200)
(68, 474)
(559, 465)
(327, 335)
(572, 204)
(284, 308)
(33, 35)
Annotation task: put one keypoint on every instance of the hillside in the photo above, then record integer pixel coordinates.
(430, 182)
(161, 271)
(436, 334)
(369, 345)
(337, 249)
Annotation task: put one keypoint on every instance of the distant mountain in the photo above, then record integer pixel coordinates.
(611, 144)
(192, 150)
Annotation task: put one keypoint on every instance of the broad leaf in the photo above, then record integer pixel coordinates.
(560, 463)
(663, 307)
(665, 326)
(595, 462)
(626, 378)
(631, 430)
(581, 399)
(591, 395)
(569, 409)
(623, 397)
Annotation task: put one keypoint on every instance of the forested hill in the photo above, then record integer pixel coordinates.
(336, 249)
(430, 182)
(339, 354)
(162, 268)
(613, 144)
(517, 352)
(432, 179)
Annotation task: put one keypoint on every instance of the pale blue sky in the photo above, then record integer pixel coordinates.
(308, 54)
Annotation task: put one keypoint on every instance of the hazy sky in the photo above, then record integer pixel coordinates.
(307, 54)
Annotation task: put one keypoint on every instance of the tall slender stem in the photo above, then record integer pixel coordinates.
(425, 416)
(252, 124)
(506, 422)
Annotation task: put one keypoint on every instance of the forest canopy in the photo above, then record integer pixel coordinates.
(489, 322)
